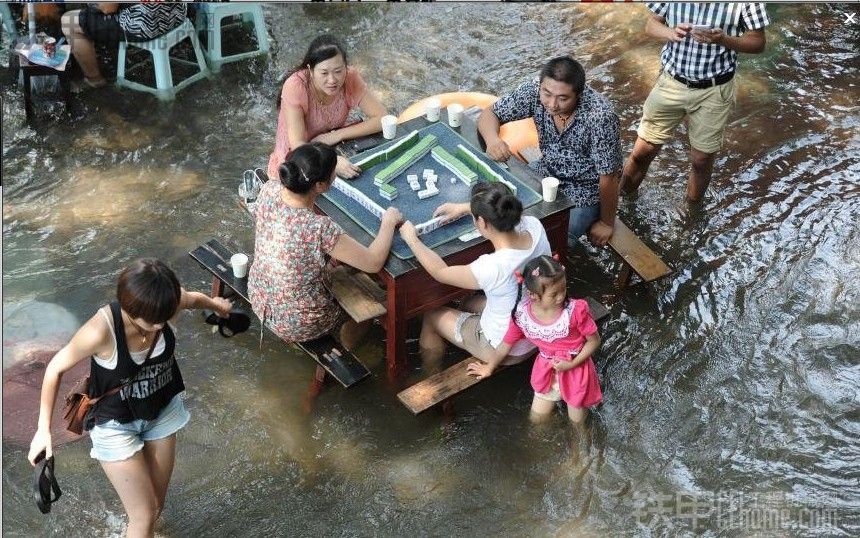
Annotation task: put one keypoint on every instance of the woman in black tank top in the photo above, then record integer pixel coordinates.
(149, 299)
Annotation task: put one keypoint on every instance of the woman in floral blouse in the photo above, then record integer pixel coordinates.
(292, 247)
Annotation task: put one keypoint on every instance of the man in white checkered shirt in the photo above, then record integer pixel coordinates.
(697, 80)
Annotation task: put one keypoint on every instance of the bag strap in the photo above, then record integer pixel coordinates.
(94, 401)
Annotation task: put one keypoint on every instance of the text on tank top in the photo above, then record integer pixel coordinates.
(146, 388)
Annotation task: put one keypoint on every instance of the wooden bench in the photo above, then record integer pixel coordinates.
(332, 358)
(635, 254)
(455, 379)
(357, 293)
(637, 257)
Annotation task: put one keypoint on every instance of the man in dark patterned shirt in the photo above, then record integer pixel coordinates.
(579, 141)
(696, 81)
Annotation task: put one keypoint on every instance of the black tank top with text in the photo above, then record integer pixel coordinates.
(146, 388)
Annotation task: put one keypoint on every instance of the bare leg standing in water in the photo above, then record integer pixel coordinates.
(697, 81)
(141, 482)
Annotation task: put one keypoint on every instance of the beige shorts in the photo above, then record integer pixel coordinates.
(708, 110)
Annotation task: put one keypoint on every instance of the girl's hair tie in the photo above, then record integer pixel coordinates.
(536, 271)
(556, 257)
(519, 277)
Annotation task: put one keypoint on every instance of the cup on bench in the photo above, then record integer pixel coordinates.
(239, 262)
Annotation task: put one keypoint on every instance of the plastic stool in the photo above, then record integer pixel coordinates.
(159, 48)
(209, 16)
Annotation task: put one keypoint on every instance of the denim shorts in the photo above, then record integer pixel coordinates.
(116, 441)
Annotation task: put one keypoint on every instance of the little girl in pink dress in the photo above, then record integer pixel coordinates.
(566, 336)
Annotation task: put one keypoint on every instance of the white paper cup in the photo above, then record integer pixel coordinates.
(549, 186)
(432, 109)
(240, 265)
(455, 114)
(389, 127)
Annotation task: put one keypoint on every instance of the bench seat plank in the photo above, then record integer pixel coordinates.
(439, 387)
(636, 254)
(357, 293)
(331, 356)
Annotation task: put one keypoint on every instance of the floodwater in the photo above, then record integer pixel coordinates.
(731, 387)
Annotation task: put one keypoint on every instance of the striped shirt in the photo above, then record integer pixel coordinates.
(149, 20)
(702, 61)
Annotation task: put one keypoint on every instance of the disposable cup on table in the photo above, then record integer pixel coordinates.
(433, 109)
(549, 186)
(50, 46)
(240, 265)
(389, 127)
(455, 114)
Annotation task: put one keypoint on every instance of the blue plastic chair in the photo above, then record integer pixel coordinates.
(159, 48)
(209, 17)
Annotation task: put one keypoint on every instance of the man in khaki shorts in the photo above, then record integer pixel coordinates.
(697, 81)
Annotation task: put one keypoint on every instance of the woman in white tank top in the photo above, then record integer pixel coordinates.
(482, 323)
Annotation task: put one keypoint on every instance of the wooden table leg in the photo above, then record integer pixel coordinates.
(66, 84)
(395, 331)
(556, 233)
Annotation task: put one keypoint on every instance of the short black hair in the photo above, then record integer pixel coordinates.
(565, 69)
(148, 289)
(307, 165)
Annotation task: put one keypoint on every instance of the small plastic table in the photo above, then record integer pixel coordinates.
(29, 70)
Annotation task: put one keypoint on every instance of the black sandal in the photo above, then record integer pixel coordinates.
(45, 483)
(238, 322)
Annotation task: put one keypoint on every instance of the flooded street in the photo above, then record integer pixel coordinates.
(730, 386)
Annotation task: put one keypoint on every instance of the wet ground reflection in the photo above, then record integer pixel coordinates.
(735, 376)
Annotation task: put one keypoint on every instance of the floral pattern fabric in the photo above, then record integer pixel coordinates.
(590, 146)
(287, 281)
